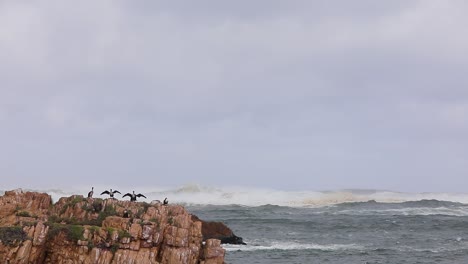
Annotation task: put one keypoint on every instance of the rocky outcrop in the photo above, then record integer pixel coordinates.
(85, 231)
(218, 230)
(17, 206)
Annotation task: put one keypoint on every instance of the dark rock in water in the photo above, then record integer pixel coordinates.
(218, 230)
(232, 240)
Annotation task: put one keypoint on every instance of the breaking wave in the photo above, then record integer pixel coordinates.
(194, 194)
(291, 245)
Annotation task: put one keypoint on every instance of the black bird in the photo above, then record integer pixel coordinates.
(90, 194)
(133, 196)
(165, 202)
(110, 193)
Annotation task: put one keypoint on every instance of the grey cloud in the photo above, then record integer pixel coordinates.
(324, 94)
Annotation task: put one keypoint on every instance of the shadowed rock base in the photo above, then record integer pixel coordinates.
(218, 230)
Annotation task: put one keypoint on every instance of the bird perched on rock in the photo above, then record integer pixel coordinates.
(90, 194)
(110, 193)
(165, 202)
(133, 196)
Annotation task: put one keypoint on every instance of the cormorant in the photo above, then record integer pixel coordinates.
(110, 193)
(90, 194)
(133, 196)
(165, 202)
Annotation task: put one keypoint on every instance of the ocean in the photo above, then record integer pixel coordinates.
(345, 226)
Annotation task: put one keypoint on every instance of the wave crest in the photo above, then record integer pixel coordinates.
(194, 194)
(291, 245)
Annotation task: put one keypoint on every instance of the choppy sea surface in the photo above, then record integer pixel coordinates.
(346, 226)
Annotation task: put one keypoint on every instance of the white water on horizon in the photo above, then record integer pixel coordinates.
(205, 195)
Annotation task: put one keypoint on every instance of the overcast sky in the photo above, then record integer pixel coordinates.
(291, 95)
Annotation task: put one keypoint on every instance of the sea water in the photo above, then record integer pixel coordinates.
(427, 231)
(346, 226)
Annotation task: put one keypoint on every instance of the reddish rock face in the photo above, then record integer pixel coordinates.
(79, 230)
(218, 230)
(17, 205)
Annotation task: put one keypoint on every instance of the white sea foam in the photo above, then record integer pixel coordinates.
(194, 194)
(461, 245)
(291, 245)
(203, 195)
(455, 211)
(432, 211)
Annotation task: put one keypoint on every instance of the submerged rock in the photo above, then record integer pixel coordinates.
(87, 230)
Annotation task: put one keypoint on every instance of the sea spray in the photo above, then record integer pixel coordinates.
(193, 194)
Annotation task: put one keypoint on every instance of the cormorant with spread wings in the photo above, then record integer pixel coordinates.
(133, 196)
(110, 193)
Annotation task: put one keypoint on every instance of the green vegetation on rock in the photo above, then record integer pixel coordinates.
(12, 235)
(73, 232)
(23, 214)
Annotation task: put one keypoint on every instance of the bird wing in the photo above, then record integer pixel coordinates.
(127, 194)
(105, 192)
(140, 195)
(116, 191)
